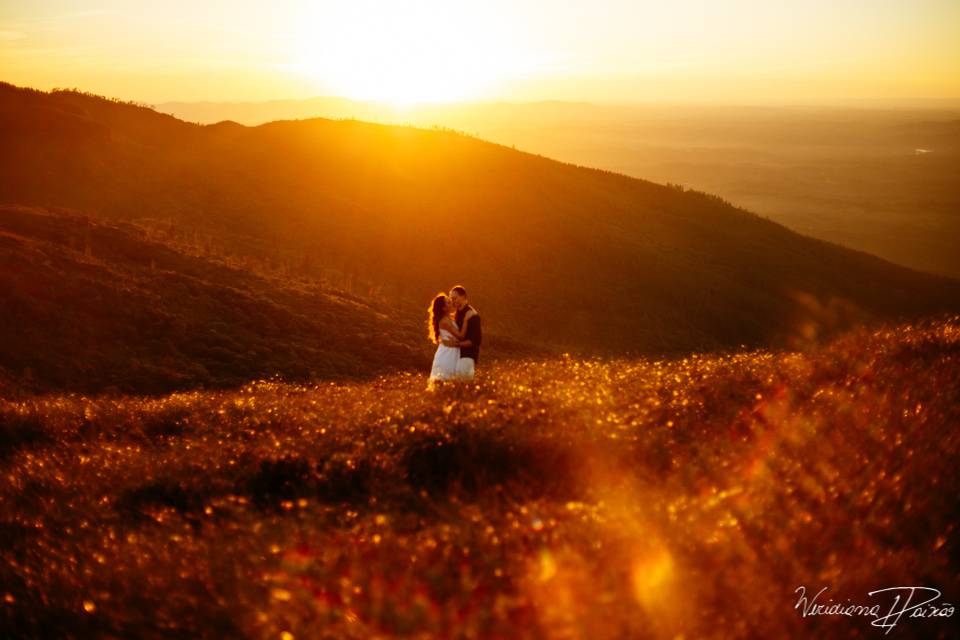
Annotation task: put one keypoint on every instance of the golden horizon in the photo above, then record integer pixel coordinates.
(440, 53)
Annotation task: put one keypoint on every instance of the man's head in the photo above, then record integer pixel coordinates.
(459, 296)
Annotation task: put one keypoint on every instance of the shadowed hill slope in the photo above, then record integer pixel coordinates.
(89, 306)
(555, 255)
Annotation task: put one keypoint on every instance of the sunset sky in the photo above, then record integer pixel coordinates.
(597, 51)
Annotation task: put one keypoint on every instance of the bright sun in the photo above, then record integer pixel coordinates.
(403, 53)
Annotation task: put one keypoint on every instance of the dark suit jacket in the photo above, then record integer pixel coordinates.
(474, 333)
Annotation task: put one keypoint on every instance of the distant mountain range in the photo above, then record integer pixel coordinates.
(312, 247)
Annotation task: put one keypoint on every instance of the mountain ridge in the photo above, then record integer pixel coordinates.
(559, 257)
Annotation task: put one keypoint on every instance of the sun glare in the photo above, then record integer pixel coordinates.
(403, 54)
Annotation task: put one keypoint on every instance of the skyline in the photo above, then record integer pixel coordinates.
(422, 52)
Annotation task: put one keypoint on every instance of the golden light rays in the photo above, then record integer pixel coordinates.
(406, 53)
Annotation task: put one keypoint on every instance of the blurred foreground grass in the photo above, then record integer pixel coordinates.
(560, 498)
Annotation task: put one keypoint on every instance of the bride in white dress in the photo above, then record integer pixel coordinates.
(445, 333)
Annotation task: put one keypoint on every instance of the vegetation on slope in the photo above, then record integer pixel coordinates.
(554, 498)
(89, 306)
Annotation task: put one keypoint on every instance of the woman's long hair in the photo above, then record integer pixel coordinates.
(435, 313)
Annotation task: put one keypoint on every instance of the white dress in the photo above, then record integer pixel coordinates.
(446, 359)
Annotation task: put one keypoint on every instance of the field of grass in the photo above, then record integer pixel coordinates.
(562, 498)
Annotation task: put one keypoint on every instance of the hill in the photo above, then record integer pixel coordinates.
(554, 498)
(89, 306)
(878, 177)
(557, 256)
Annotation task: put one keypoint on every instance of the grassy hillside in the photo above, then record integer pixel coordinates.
(89, 306)
(556, 256)
(557, 498)
(878, 178)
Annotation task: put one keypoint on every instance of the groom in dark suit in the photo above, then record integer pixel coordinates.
(470, 345)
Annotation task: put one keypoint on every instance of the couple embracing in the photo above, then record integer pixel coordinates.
(454, 326)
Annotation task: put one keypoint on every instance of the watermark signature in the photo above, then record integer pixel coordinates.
(908, 602)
